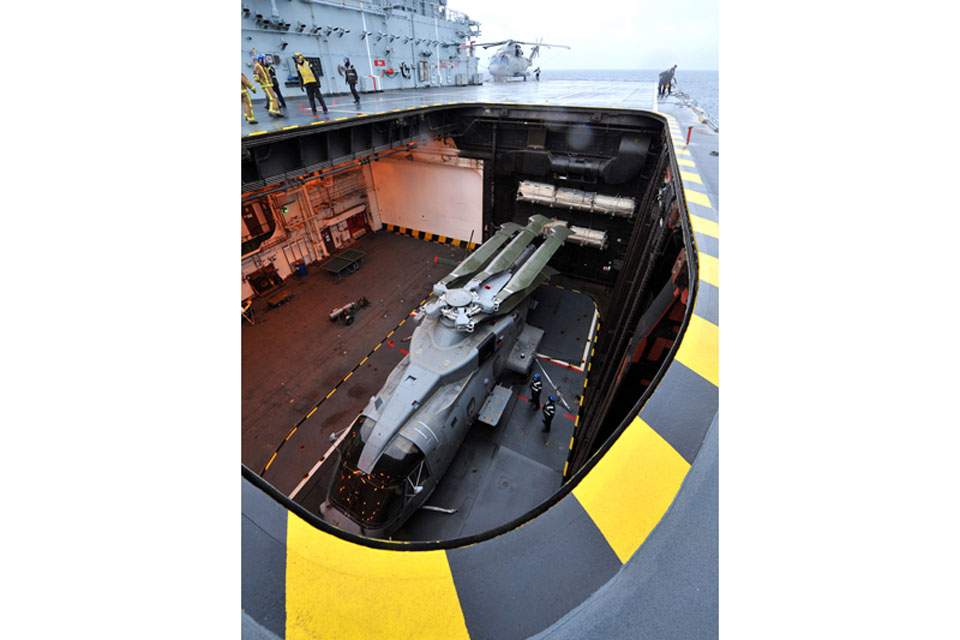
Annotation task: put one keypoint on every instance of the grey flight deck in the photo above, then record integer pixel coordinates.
(627, 95)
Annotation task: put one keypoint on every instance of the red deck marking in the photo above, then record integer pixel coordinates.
(404, 351)
(567, 415)
(562, 364)
(391, 343)
(519, 397)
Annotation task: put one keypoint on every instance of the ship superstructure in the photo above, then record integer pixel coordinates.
(394, 44)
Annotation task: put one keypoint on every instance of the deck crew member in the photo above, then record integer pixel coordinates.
(666, 78)
(245, 97)
(536, 386)
(309, 82)
(537, 72)
(276, 87)
(262, 76)
(350, 74)
(549, 410)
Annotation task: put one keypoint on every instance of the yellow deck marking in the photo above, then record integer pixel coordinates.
(691, 177)
(271, 461)
(683, 152)
(257, 133)
(699, 348)
(295, 428)
(391, 333)
(703, 225)
(442, 239)
(697, 197)
(293, 126)
(314, 410)
(343, 118)
(401, 322)
(709, 269)
(428, 236)
(378, 346)
(333, 391)
(362, 361)
(347, 377)
(683, 162)
(336, 589)
(630, 489)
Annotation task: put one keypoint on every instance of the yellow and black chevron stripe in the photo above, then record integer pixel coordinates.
(431, 237)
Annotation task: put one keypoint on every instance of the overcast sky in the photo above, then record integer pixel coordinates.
(607, 34)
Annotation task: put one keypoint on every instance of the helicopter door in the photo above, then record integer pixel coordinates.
(423, 71)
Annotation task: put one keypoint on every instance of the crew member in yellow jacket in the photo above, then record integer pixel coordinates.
(262, 76)
(309, 82)
(245, 97)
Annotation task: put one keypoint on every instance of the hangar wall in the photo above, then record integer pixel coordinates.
(443, 197)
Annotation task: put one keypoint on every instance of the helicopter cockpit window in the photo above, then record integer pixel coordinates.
(374, 500)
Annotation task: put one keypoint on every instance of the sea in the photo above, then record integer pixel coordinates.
(702, 86)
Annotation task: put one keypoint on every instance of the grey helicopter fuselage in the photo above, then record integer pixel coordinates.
(508, 63)
(441, 384)
(403, 441)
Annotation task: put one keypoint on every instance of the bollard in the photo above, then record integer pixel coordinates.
(689, 131)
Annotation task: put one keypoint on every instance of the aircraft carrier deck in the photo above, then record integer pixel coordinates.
(640, 562)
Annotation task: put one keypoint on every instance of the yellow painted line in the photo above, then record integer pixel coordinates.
(256, 133)
(312, 411)
(683, 152)
(691, 177)
(629, 490)
(271, 461)
(709, 269)
(293, 126)
(697, 197)
(700, 348)
(295, 428)
(581, 400)
(437, 104)
(571, 442)
(401, 322)
(347, 377)
(683, 162)
(709, 227)
(333, 391)
(343, 118)
(362, 361)
(442, 239)
(428, 236)
(391, 333)
(565, 465)
(317, 122)
(395, 110)
(339, 590)
(576, 421)
(378, 346)
(589, 364)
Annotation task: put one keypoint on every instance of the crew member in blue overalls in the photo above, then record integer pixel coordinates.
(309, 82)
(549, 410)
(536, 386)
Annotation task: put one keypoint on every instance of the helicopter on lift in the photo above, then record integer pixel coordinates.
(509, 61)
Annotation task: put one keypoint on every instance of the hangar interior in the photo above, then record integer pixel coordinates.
(378, 208)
